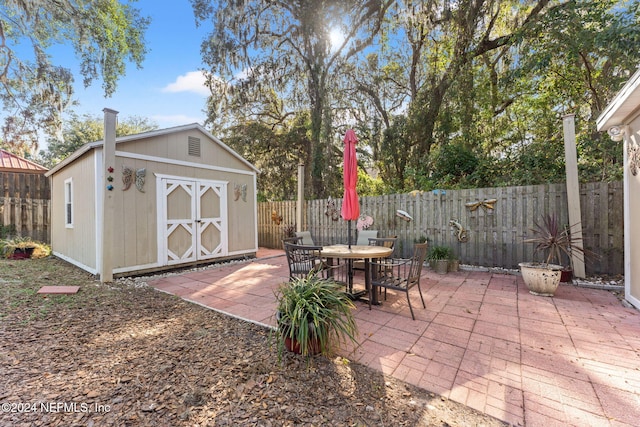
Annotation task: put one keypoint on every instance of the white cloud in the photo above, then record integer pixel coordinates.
(193, 81)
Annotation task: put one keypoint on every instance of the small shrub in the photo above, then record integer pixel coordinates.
(439, 252)
(9, 246)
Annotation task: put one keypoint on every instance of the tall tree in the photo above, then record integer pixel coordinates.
(79, 130)
(467, 30)
(583, 54)
(34, 92)
(429, 47)
(286, 46)
(273, 150)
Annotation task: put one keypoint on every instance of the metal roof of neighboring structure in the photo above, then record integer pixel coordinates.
(9, 162)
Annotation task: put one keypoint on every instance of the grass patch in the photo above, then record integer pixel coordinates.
(20, 281)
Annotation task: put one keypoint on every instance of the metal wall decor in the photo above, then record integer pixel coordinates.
(140, 174)
(275, 217)
(240, 190)
(364, 222)
(332, 210)
(459, 231)
(487, 204)
(128, 178)
(403, 215)
(634, 158)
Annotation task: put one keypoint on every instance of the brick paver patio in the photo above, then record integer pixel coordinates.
(483, 340)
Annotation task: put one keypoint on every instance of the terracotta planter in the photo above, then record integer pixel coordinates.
(22, 253)
(294, 346)
(566, 276)
(541, 279)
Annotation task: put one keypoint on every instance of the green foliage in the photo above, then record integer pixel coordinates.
(537, 163)
(439, 252)
(393, 157)
(556, 242)
(78, 131)
(286, 48)
(443, 98)
(9, 246)
(7, 231)
(104, 34)
(453, 164)
(313, 308)
(369, 186)
(275, 151)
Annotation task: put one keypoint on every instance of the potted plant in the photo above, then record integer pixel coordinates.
(21, 248)
(313, 313)
(557, 243)
(439, 258)
(454, 263)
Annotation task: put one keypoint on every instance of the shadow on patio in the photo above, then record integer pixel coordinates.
(483, 340)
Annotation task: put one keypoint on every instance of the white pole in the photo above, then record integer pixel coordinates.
(573, 192)
(300, 203)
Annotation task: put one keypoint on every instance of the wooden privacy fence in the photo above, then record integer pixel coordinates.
(25, 205)
(495, 221)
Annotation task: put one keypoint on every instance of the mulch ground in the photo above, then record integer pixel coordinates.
(120, 355)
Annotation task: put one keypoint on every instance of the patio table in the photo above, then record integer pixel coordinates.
(365, 252)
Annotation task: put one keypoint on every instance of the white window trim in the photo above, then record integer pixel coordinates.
(68, 202)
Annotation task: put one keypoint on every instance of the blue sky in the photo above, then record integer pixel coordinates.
(168, 89)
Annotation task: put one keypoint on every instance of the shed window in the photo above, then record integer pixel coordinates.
(194, 146)
(68, 203)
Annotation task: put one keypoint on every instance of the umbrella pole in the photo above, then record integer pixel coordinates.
(350, 261)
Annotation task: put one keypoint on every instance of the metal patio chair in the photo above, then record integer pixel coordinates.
(399, 274)
(304, 259)
(305, 238)
(294, 240)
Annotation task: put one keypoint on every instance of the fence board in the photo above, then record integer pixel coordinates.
(495, 236)
(29, 217)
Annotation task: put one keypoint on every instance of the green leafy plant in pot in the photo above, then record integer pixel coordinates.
(556, 243)
(313, 315)
(439, 258)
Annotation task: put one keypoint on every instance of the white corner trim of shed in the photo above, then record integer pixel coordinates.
(621, 120)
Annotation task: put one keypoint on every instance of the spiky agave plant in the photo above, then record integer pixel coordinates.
(555, 240)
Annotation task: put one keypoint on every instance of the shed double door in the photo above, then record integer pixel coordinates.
(195, 220)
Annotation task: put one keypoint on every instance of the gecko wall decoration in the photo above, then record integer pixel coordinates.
(460, 231)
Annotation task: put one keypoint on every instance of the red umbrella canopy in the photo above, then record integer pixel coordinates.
(350, 205)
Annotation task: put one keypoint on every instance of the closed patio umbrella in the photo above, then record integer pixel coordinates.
(350, 206)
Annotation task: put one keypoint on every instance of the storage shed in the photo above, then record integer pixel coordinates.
(621, 119)
(152, 201)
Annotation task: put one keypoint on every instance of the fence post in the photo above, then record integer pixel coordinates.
(573, 193)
